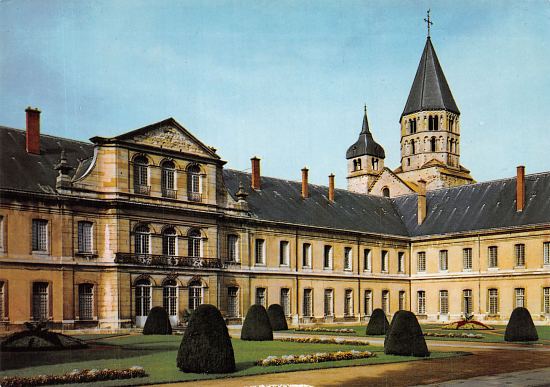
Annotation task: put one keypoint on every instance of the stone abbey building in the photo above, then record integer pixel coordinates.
(93, 234)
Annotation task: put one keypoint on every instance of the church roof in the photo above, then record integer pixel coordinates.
(430, 90)
(365, 144)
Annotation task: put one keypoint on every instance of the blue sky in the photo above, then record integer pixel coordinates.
(283, 80)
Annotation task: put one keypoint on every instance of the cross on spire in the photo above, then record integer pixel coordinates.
(428, 22)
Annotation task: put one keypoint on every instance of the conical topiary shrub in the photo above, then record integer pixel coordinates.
(378, 323)
(206, 345)
(256, 326)
(277, 317)
(405, 336)
(158, 322)
(520, 326)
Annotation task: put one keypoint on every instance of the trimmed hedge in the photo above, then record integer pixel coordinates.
(378, 323)
(158, 322)
(521, 327)
(277, 317)
(256, 326)
(405, 336)
(206, 345)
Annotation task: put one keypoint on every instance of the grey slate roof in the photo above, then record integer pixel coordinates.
(365, 144)
(22, 171)
(430, 90)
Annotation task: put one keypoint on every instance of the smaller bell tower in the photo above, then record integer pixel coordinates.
(365, 160)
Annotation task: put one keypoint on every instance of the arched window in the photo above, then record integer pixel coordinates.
(386, 192)
(194, 244)
(167, 180)
(359, 166)
(169, 241)
(194, 183)
(170, 297)
(195, 294)
(143, 300)
(433, 123)
(413, 150)
(452, 145)
(141, 175)
(375, 164)
(142, 240)
(433, 142)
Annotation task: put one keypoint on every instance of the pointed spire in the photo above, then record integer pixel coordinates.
(365, 128)
(430, 90)
(365, 144)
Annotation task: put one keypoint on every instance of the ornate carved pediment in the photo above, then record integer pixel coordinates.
(169, 137)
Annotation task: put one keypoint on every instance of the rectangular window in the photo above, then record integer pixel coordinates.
(520, 297)
(386, 301)
(39, 235)
(520, 254)
(306, 255)
(401, 300)
(467, 305)
(401, 262)
(260, 251)
(467, 258)
(546, 300)
(493, 257)
(195, 297)
(348, 303)
(443, 260)
(3, 310)
(367, 260)
(546, 253)
(40, 301)
(233, 248)
(85, 237)
(368, 302)
(170, 297)
(327, 258)
(260, 297)
(444, 302)
(284, 257)
(384, 261)
(308, 303)
(421, 306)
(285, 301)
(493, 301)
(86, 301)
(1, 237)
(421, 262)
(233, 301)
(347, 258)
(329, 302)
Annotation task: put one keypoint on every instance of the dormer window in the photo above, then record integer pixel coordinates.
(141, 175)
(167, 181)
(194, 183)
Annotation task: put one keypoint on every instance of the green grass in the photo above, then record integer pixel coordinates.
(157, 354)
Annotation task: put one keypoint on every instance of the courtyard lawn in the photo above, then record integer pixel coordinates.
(157, 355)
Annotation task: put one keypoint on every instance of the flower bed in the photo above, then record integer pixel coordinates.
(316, 340)
(75, 376)
(313, 358)
(467, 325)
(331, 330)
(455, 335)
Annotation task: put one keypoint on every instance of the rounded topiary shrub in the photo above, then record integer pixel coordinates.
(256, 326)
(206, 345)
(158, 322)
(378, 323)
(520, 326)
(405, 336)
(277, 317)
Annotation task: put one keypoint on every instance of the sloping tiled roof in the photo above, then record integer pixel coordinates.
(430, 90)
(365, 144)
(23, 171)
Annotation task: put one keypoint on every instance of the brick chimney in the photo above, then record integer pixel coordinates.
(255, 172)
(421, 201)
(33, 130)
(520, 188)
(305, 188)
(331, 187)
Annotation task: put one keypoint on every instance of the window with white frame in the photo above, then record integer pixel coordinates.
(142, 240)
(285, 301)
(467, 301)
(39, 235)
(546, 300)
(401, 300)
(194, 243)
(520, 254)
(85, 241)
(368, 302)
(443, 302)
(520, 297)
(329, 303)
(467, 258)
(141, 175)
(260, 297)
(284, 253)
(40, 301)
(308, 303)
(443, 260)
(348, 259)
(421, 261)
(421, 302)
(259, 250)
(233, 248)
(170, 297)
(195, 295)
(367, 260)
(401, 262)
(233, 301)
(143, 297)
(167, 179)
(386, 301)
(327, 257)
(348, 303)
(546, 253)
(384, 261)
(493, 257)
(3, 311)
(169, 241)
(493, 301)
(194, 183)
(86, 301)
(306, 255)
